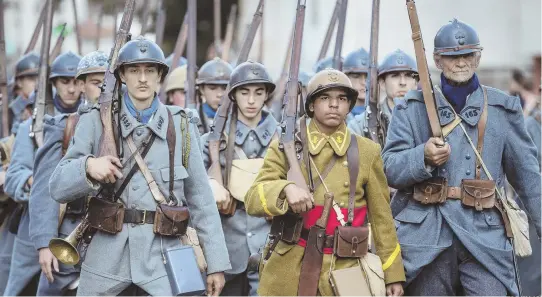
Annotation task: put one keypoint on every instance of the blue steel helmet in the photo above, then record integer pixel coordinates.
(304, 78)
(65, 65)
(27, 65)
(94, 62)
(456, 38)
(250, 72)
(182, 61)
(215, 72)
(324, 64)
(141, 50)
(397, 61)
(356, 62)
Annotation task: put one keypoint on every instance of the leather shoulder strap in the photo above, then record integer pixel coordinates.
(240, 153)
(69, 131)
(481, 132)
(352, 157)
(171, 139)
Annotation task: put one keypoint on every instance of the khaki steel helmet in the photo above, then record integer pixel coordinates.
(329, 79)
(176, 79)
(214, 72)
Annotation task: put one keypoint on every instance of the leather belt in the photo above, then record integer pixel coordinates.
(136, 216)
(328, 242)
(454, 193)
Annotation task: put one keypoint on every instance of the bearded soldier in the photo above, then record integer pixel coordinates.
(329, 141)
(132, 251)
(250, 86)
(19, 177)
(175, 87)
(56, 277)
(356, 67)
(26, 76)
(451, 230)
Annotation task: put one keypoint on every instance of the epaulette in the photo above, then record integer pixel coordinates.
(497, 97)
(413, 95)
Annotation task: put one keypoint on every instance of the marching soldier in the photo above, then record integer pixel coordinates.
(250, 86)
(26, 76)
(175, 87)
(132, 250)
(463, 240)
(356, 67)
(329, 100)
(19, 177)
(57, 278)
(324, 64)
(212, 81)
(182, 61)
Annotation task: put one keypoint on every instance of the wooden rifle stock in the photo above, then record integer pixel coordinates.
(329, 32)
(217, 128)
(229, 33)
(110, 87)
(3, 75)
(58, 45)
(77, 35)
(217, 26)
(191, 55)
(423, 70)
(337, 64)
(44, 88)
(287, 139)
(37, 29)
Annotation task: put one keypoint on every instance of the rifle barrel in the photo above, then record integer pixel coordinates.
(217, 25)
(329, 32)
(77, 35)
(337, 64)
(191, 53)
(3, 74)
(37, 29)
(58, 45)
(229, 33)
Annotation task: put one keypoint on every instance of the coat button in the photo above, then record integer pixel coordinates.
(468, 172)
(341, 204)
(133, 206)
(249, 234)
(345, 163)
(135, 187)
(346, 184)
(139, 132)
(253, 156)
(251, 138)
(467, 157)
(443, 170)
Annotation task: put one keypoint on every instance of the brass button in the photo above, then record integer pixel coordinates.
(341, 204)
(345, 163)
(346, 184)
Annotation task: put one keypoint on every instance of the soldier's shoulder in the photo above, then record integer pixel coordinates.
(367, 146)
(188, 113)
(55, 121)
(88, 108)
(412, 97)
(496, 97)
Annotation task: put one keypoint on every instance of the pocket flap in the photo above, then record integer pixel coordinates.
(411, 215)
(103, 209)
(282, 248)
(176, 214)
(353, 234)
(431, 186)
(179, 172)
(479, 188)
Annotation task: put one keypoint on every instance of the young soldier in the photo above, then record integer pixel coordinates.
(250, 86)
(356, 67)
(324, 64)
(19, 177)
(212, 81)
(175, 87)
(26, 76)
(329, 100)
(57, 278)
(133, 252)
(461, 241)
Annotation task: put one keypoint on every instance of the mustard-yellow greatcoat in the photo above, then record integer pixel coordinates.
(280, 274)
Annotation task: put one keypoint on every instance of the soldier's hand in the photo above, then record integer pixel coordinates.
(215, 283)
(299, 200)
(48, 262)
(222, 196)
(106, 169)
(395, 289)
(30, 181)
(436, 152)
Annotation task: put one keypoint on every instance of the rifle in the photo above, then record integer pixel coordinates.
(288, 143)
(44, 91)
(373, 122)
(160, 23)
(37, 29)
(3, 75)
(191, 55)
(217, 26)
(261, 47)
(329, 32)
(109, 97)
(177, 53)
(423, 70)
(144, 18)
(217, 128)
(77, 35)
(229, 33)
(58, 45)
(276, 102)
(340, 36)
(99, 28)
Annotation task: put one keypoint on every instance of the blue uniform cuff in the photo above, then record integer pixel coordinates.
(418, 169)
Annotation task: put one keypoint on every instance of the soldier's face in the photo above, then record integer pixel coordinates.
(27, 84)
(458, 69)
(250, 99)
(141, 80)
(68, 90)
(212, 94)
(359, 82)
(176, 97)
(397, 84)
(330, 108)
(92, 86)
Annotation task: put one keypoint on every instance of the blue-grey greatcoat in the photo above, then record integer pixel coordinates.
(356, 123)
(44, 211)
(6, 247)
(426, 231)
(17, 107)
(113, 262)
(244, 234)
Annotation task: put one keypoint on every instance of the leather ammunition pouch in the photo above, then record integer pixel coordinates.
(351, 242)
(6, 208)
(77, 207)
(105, 215)
(15, 219)
(171, 220)
(431, 191)
(287, 227)
(478, 193)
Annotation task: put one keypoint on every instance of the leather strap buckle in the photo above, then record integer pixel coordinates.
(143, 219)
